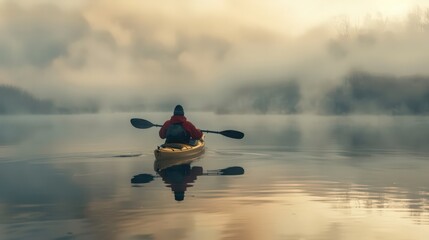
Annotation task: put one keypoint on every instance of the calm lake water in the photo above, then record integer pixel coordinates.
(306, 177)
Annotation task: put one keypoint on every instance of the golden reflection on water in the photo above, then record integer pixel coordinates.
(279, 216)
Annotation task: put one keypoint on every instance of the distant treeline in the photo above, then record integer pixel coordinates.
(357, 93)
(14, 100)
(362, 92)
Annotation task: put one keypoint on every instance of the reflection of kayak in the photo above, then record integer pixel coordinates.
(174, 151)
(162, 164)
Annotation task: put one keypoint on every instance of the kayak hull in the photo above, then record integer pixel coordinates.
(174, 151)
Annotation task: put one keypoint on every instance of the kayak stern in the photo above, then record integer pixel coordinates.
(171, 151)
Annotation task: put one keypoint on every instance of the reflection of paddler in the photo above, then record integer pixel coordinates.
(179, 178)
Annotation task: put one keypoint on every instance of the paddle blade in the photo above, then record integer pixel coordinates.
(142, 178)
(141, 123)
(232, 134)
(232, 171)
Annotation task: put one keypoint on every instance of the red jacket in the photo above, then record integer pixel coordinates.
(188, 126)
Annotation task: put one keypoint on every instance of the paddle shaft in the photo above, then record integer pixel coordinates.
(202, 130)
(143, 124)
(209, 131)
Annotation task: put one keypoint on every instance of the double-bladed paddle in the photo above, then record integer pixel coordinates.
(143, 124)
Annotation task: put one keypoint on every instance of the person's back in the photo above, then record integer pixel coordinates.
(177, 134)
(178, 129)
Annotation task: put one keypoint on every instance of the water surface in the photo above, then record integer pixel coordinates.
(306, 177)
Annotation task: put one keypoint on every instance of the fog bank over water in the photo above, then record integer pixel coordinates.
(357, 93)
(224, 57)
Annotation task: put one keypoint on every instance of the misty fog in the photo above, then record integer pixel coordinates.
(107, 56)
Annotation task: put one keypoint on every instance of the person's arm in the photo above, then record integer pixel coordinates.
(195, 132)
(163, 130)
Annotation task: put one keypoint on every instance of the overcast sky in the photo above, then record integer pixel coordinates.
(119, 51)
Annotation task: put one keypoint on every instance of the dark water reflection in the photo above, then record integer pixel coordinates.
(179, 176)
(306, 177)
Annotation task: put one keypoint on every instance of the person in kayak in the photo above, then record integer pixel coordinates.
(178, 129)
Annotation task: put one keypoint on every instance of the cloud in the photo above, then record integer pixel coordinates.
(106, 46)
(151, 54)
(36, 36)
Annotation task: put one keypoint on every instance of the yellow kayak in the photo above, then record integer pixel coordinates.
(175, 151)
